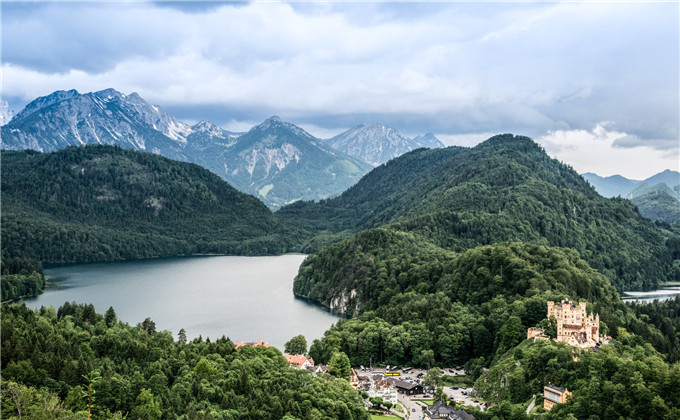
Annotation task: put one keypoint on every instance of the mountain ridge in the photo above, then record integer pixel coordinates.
(504, 189)
(377, 144)
(66, 118)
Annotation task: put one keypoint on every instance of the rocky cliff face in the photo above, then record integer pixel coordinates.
(67, 118)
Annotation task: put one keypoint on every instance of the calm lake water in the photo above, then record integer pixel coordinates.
(243, 298)
(664, 293)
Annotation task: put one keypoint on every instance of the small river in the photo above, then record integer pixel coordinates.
(243, 298)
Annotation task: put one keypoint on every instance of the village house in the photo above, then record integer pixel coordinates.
(251, 344)
(383, 389)
(299, 361)
(554, 395)
(317, 368)
(574, 325)
(440, 410)
(408, 388)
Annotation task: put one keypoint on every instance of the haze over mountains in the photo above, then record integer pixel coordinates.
(276, 161)
(616, 185)
(657, 197)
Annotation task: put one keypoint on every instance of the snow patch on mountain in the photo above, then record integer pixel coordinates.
(6, 114)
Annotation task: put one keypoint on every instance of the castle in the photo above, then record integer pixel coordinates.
(574, 326)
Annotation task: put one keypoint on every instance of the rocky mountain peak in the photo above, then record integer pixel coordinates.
(6, 113)
(45, 101)
(428, 140)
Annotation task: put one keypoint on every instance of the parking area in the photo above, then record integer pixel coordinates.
(414, 408)
(462, 396)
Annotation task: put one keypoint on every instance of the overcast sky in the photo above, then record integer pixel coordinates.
(596, 84)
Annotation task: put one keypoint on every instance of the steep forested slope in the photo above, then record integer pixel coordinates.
(103, 203)
(504, 189)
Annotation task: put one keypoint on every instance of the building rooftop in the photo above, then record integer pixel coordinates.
(556, 388)
(405, 385)
(439, 410)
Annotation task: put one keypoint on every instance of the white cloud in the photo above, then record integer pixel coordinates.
(448, 68)
(595, 151)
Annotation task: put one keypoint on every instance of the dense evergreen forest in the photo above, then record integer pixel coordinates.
(657, 205)
(429, 307)
(103, 203)
(21, 278)
(426, 307)
(442, 258)
(505, 189)
(50, 358)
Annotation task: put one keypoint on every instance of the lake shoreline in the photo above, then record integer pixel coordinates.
(246, 298)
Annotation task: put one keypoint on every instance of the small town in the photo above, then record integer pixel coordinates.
(413, 393)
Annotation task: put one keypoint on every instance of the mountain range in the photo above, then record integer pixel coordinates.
(616, 185)
(657, 197)
(276, 161)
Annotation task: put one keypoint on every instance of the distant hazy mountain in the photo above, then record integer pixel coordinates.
(658, 205)
(276, 161)
(611, 186)
(376, 144)
(661, 187)
(668, 177)
(6, 113)
(657, 197)
(616, 185)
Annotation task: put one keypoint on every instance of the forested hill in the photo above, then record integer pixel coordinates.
(98, 203)
(504, 189)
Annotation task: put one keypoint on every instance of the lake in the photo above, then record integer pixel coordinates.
(243, 298)
(664, 293)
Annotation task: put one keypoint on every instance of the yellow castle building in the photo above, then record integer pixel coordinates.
(574, 325)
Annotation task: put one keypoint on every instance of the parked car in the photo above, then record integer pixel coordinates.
(454, 387)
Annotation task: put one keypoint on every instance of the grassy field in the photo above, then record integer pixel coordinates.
(378, 417)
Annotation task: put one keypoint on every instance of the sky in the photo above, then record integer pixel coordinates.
(596, 84)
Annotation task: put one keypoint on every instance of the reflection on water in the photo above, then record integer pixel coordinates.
(243, 298)
(661, 294)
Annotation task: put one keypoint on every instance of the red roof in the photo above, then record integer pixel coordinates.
(298, 359)
(252, 344)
